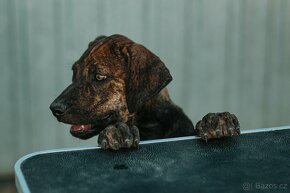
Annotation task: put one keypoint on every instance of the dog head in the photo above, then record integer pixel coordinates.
(112, 80)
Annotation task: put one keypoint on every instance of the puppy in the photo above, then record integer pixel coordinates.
(118, 91)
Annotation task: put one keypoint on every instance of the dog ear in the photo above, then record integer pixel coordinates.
(147, 76)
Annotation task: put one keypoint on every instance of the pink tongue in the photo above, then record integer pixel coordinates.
(80, 127)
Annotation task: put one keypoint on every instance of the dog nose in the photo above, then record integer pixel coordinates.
(58, 109)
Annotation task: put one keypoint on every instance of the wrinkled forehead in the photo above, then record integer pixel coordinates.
(103, 56)
(101, 52)
(106, 54)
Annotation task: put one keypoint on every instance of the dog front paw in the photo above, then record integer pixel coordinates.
(119, 136)
(217, 125)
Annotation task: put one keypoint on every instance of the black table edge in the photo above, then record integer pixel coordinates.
(22, 186)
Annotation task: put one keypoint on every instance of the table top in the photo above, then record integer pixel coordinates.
(256, 160)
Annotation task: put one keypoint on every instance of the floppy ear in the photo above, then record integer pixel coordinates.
(147, 76)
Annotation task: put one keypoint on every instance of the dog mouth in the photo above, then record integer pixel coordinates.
(86, 131)
(82, 131)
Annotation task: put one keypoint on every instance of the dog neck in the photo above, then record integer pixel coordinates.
(147, 119)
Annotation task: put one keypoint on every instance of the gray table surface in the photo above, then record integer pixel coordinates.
(258, 160)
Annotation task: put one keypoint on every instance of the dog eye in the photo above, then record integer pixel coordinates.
(100, 77)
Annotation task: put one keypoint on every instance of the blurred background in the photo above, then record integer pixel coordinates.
(223, 55)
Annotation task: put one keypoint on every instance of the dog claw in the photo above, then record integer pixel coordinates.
(204, 137)
(218, 133)
(116, 146)
(104, 144)
(136, 142)
(127, 143)
(231, 131)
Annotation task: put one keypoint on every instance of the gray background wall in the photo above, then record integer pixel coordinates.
(224, 55)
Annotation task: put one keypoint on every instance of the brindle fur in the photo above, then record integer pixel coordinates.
(133, 94)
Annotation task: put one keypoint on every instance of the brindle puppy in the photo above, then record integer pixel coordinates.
(118, 91)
